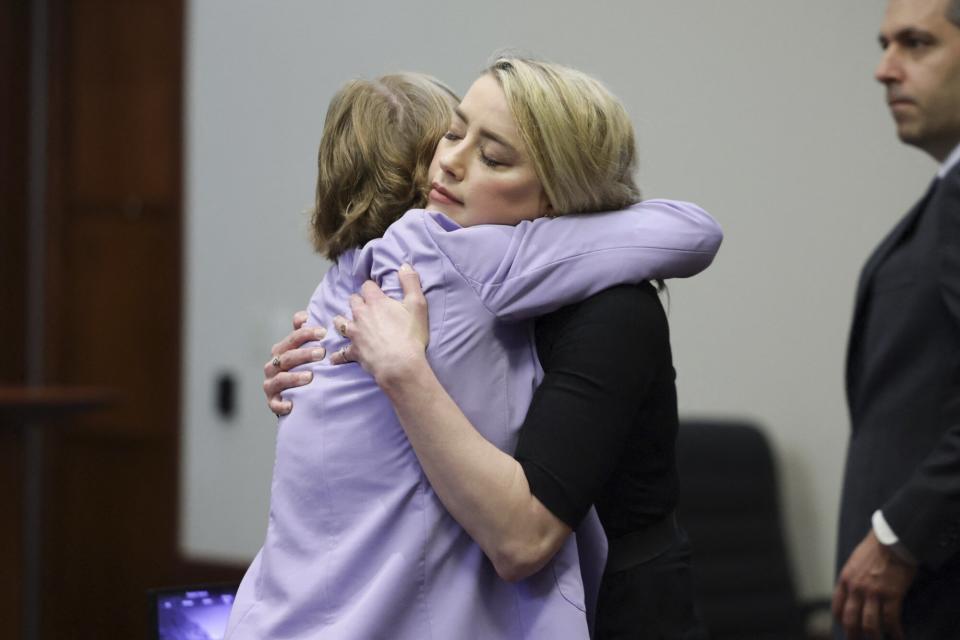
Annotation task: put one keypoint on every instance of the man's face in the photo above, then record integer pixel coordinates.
(920, 68)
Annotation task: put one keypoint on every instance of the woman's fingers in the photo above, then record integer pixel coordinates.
(410, 283)
(287, 354)
(342, 355)
(279, 407)
(299, 319)
(342, 325)
(290, 359)
(272, 387)
(357, 304)
(370, 292)
(296, 339)
(376, 318)
(275, 385)
(414, 301)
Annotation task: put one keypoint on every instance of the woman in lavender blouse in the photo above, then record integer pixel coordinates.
(359, 543)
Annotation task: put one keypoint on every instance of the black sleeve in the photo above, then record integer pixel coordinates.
(599, 358)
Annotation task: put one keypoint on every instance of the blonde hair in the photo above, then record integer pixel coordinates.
(378, 139)
(577, 133)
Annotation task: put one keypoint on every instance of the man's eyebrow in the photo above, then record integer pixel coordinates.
(485, 133)
(905, 33)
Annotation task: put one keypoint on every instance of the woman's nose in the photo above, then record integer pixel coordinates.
(451, 161)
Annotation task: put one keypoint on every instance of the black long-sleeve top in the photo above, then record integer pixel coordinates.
(603, 423)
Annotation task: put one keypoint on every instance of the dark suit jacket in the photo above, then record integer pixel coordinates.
(903, 388)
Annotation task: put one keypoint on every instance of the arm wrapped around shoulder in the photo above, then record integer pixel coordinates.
(539, 266)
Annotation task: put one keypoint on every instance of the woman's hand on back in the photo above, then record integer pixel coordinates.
(287, 354)
(387, 336)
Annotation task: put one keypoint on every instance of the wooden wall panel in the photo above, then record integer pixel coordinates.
(109, 537)
(113, 296)
(111, 292)
(11, 543)
(113, 313)
(122, 308)
(14, 65)
(124, 134)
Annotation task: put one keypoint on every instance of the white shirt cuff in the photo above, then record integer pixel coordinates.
(888, 537)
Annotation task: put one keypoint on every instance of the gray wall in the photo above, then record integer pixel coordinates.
(763, 112)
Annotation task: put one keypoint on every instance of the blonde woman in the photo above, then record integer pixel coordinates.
(360, 544)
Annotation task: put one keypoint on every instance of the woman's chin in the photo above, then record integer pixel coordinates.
(441, 207)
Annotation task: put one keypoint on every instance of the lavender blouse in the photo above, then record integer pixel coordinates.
(358, 545)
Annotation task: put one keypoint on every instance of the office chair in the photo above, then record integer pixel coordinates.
(729, 505)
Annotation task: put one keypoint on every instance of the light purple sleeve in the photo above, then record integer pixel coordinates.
(536, 267)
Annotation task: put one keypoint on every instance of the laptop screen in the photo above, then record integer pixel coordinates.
(198, 612)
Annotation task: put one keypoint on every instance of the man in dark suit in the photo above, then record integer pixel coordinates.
(900, 515)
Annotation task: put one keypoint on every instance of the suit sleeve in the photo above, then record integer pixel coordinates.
(536, 267)
(925, 512)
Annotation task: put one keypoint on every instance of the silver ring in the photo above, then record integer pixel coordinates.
(276, 361)
(343, 354)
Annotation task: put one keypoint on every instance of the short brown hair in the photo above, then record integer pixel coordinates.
(379, 137)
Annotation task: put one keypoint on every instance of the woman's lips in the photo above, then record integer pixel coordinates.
(442, 196)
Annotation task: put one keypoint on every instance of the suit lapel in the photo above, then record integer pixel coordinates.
(891, 241)
(866, 276)
(948, 239)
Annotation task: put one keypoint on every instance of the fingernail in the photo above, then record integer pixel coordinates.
(317, 354)
(406, 267)
(306, 377)
(320, 333)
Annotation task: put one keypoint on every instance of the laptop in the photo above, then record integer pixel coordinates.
(197, 612)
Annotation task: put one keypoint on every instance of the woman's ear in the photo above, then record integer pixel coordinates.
(546, 209)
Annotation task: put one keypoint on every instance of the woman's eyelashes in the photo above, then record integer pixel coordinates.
(487, 160)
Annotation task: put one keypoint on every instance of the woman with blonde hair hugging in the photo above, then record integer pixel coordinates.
(360, 542)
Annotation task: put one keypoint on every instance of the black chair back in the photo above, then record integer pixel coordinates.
(730, 507)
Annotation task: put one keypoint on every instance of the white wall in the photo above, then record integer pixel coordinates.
(763, 112)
